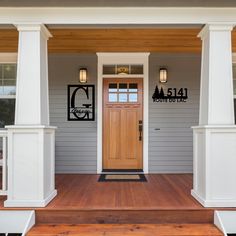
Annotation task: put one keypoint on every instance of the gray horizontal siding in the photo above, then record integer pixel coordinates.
(171, 147)
(76, 149)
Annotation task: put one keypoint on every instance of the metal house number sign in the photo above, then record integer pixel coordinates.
(171, 95)
(81, 103)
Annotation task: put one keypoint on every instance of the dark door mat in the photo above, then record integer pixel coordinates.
(122, 178)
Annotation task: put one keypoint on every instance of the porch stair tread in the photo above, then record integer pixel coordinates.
(126, 230)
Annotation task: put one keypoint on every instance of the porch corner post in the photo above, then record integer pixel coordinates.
(214, 140)
(31, 141)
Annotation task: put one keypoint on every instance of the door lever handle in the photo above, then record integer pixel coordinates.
(140, 128)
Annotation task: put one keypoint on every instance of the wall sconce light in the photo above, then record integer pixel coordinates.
(83, 75)
(163, 75)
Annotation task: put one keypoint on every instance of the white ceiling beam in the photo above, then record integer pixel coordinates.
(117, 15)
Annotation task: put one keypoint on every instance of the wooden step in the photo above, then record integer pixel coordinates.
(44, 216)
(126, 230)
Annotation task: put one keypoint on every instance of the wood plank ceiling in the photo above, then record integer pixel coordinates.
(114, 40)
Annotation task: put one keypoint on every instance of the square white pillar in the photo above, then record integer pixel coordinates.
(31, 174)
(214, 140)
(31, 141)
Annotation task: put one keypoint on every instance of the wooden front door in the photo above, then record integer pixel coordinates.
(122, 123)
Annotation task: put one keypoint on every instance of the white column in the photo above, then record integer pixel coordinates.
(31, 141)
(32, 76)
(214, 140)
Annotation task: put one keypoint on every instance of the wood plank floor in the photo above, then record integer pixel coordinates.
(161, 206)
(127, 230)
(161, 191)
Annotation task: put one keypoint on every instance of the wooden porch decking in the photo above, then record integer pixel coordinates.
(161, 206)
(161, 191)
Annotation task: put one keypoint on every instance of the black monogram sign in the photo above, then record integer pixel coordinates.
(81, 103)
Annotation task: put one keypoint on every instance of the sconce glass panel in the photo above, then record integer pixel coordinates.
(163, 75)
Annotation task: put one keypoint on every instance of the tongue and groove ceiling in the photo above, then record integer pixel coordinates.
(114, 40)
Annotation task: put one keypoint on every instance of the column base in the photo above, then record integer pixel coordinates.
(213, 203)
(30, 203)
(214, 154)
(31, 166)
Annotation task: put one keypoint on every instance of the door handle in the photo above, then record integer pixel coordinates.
(140, 128)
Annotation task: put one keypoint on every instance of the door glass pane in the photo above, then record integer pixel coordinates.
(123, 88)
(133, 87)
(123, 97)
(112, 97)
(133, 97)
(7, 112)
(112, 87)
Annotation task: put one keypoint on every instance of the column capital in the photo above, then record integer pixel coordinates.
(34, 27)
(209, 27)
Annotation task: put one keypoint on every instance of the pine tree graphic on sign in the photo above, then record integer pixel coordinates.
(156, 94)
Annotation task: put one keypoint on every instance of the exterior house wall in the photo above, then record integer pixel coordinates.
(75, 140)
(170, 148)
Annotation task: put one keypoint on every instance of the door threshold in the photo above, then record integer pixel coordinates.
(122, 171)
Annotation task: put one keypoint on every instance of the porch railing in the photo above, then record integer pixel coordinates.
(3, 162)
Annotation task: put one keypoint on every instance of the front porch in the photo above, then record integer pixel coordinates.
(160, 192)
(41, 101)
(182, 137)
(162, 204)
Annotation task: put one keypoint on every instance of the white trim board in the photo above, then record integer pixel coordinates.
(8, 58)
(117, 15)
(122, 58)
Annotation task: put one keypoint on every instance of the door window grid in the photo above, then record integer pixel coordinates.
(123, 92)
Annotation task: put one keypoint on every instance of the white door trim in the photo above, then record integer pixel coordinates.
(122, 58)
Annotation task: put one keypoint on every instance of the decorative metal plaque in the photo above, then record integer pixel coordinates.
(81, 103)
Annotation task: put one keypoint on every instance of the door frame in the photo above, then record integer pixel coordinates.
(122, 58)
